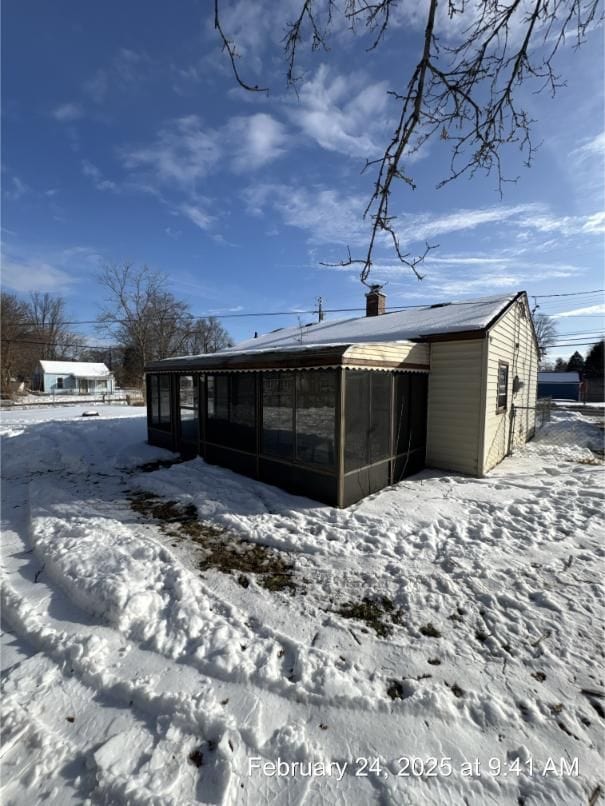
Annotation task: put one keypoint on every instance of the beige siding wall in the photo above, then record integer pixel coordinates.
(396, 351)
(455, 405)
(510, 340)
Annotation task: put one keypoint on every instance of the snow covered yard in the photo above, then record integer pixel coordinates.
(171, 633)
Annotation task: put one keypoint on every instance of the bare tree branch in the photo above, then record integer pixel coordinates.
(465, 93)
(229, 46)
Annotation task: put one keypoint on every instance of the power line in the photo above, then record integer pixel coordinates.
(237, 315)
(569, 294)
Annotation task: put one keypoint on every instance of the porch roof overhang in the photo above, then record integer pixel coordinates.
(402, 355)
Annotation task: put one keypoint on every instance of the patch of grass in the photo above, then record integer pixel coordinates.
(395, 690)
(220, 550)
(196, 757)
(158, 464)
(374, 613)
(456, 690)
(429, 630)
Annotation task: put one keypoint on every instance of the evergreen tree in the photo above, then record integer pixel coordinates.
(595, 360)
(575, 363)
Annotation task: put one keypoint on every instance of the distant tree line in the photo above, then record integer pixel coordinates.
(591, 367)
(150, 323)
(31, 330)
(141, 320)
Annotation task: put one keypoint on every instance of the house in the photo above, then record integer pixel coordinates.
(340, 409)
(560, 385)
(73, 378)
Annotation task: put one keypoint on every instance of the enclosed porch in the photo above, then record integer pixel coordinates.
(335, 433)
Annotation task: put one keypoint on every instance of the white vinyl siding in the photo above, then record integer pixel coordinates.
(510, 340)
(455, 406)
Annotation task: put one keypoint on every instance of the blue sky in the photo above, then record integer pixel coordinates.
(127, 139)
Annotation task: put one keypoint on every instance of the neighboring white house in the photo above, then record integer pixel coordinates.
(73, 378)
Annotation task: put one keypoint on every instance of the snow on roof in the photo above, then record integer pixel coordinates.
(559, 377)
(79, 369)
(413, 323)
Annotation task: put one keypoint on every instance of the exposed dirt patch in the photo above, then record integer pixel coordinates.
(158, 464)
(380, 614)
(430, 631)
(218, 548)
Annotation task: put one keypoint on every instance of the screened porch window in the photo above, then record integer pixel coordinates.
(278, 414)
(502, 400)
(231, 407)
(316, 417)
(159, 401)
(188, 408)
(368, 418)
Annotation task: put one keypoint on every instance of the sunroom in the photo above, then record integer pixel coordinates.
(331, 422)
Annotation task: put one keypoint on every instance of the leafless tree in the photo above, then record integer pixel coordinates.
(464, 88)
(149, 323)
(15, 346)
(206, 335)
(546, 332)
(47, 317)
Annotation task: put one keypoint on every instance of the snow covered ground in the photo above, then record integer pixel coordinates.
(180, 634)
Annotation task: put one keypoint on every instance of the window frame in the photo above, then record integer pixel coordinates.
(193, 408)
(299, 434)
(158, 424)
(500, 409)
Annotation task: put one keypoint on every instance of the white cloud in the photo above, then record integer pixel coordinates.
(183, 152)
(197, 215)
(93, 173)
(18, 189)
(67, 113)
(342, 113)
(425, 226)
(594, 223)
(326, 216)
(34, 276)
(590, 310)
(334, 219)
(256, 140)
(594, 147)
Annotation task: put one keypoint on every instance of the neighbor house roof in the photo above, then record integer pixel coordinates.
(326, 343)
(79, 369)
(558, 377)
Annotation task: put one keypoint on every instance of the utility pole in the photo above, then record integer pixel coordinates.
(320, 310)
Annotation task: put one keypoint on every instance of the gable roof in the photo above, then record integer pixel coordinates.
(325, 343)
(79, 369)
(413, 323)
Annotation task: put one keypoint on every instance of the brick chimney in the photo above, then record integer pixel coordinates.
(375, 301)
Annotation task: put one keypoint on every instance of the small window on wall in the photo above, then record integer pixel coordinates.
(59, 383)
(502, 400)
(159, 401)
(278, 414)
(316, 417)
